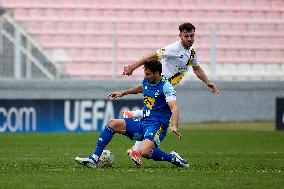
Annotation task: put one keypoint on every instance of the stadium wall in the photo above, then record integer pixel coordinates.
(237, 101)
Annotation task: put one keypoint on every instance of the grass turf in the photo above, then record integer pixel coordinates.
(236, 157)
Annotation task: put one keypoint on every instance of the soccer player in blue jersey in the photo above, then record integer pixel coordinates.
(159, 105)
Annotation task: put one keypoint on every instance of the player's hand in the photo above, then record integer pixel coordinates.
(115, 95)
(176, 132)
(128, 70)
(213, 87)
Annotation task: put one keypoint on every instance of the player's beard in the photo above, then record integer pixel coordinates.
(190, 44)
(187, 45)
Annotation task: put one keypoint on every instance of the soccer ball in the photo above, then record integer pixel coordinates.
(106, 159)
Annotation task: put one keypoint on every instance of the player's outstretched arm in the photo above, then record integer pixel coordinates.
(202, 76)
(134, 90)
(175, 117)
(128, 70)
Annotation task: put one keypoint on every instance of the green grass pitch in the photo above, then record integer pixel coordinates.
(222, 155)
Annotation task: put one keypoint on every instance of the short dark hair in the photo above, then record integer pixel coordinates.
(186, 27)
(153, 66)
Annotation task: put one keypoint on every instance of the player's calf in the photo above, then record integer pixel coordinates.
(132, 152)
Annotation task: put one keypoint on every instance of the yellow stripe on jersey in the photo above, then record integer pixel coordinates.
(190, 60)
(157, 135)
(176, 78)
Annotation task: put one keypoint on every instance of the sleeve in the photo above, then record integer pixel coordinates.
(168, 51)
(169, 92)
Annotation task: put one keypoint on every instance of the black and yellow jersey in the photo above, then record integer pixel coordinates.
(176, 61)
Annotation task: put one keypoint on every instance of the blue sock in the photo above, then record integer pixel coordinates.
(159, 155)
(103, 140)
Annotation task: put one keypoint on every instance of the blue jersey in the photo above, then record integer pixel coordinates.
(156, 97)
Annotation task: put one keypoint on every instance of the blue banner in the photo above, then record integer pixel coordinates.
(21, 116)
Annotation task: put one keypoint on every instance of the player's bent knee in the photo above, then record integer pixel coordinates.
(116, 125)
(113, 124)
(112, 121)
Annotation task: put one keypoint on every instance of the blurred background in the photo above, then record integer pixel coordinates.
(76, 49)
(60, 58)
